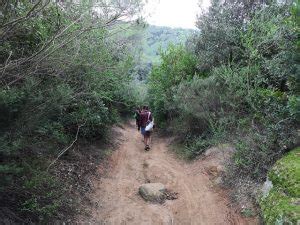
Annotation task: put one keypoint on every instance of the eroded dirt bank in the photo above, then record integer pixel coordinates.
(116, 194)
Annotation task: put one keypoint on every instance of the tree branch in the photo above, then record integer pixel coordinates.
(66, 149)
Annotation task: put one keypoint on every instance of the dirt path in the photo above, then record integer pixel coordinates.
(119, 203)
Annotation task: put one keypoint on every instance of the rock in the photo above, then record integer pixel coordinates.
(218, 181)
(153, 192)
(211, 151)
(266, 188)
(215, 171)
(222, 150)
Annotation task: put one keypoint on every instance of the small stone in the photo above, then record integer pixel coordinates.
(215, 171)
(266, 188)
(218, 181)
(153, 192)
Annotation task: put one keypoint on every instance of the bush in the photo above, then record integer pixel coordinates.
(177, 65)
(45, 196)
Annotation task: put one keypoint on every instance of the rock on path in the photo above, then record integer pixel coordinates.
(153, 192)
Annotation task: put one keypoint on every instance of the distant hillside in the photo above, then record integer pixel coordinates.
(156, 37)
(150, 40)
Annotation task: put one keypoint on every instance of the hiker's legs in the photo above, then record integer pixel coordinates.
(146, 135)
(138, 125)
(143, 132)
(146, 140)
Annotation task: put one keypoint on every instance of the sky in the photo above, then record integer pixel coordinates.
(174, 13)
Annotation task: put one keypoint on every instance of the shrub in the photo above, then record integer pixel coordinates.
(177, 65)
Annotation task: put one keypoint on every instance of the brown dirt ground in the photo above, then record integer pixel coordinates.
(199, 201)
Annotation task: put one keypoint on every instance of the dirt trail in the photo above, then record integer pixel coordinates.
(119, 203)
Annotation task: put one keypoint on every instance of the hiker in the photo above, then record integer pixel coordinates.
(146, 118)
(137, 116)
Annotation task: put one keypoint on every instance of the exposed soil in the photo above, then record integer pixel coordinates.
(197, 200)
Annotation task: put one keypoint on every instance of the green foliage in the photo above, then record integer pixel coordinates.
(280, 206)
(153, 40)
(285, 174)
(247, 212)
(159, 38)
(219, 40)
(177, 65)
(44, 196)
(196, 146)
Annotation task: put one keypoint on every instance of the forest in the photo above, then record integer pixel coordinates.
(71, 71)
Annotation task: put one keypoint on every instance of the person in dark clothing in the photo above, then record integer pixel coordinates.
(137, 116)
(145, 118)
